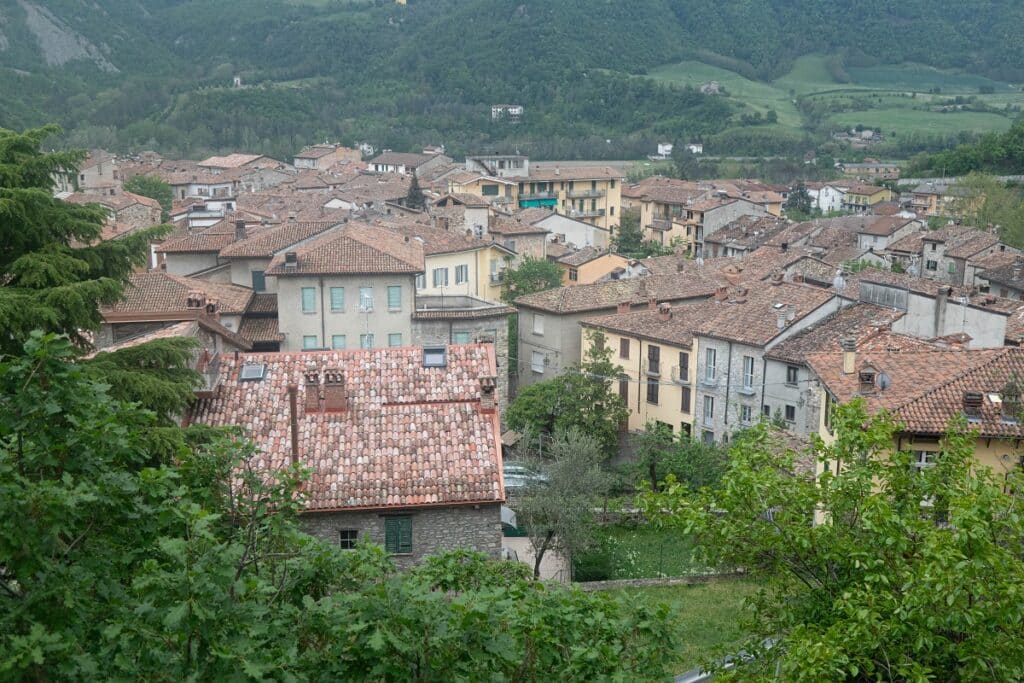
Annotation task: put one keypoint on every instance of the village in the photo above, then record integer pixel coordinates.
(353, 316)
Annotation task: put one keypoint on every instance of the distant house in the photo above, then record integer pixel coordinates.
(590, 265)
(860, 198)
(322, 157)
(404, 444)
(509, 113)
(405, 163)
(99, 173)
(871, 169)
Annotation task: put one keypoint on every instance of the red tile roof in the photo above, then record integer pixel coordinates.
(163, 293)
(260, 330)
(410, 436)
(354, 248)
(266, 243)
(751, 315)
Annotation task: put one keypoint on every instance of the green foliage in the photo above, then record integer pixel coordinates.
(54, 274)
(132, 551)
(799, 203)
(629, 240)
(579, 398)
(1001, 153)
(154, 188)
(661, 454)
(532, 275)
(985, 201)
(909, 575)
(415, 199)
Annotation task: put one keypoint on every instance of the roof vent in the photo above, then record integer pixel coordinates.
(866, 379)
(972, 405)
(435, 356)
(291, 259)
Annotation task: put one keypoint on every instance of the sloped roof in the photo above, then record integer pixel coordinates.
(266, 243)
(410, 436)
(751, 315)
(354, 248)
(260, 330)
(160, 292)
(608, 294)
(860, 321)
(555, 171)
(229, 161)
(400, 159)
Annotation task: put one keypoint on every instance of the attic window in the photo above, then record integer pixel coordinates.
(435, 356)
(866, 379)
(252, 372)
(972, 404)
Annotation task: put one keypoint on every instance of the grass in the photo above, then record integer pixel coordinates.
(704, 616)
(903, 120)
(638, 552)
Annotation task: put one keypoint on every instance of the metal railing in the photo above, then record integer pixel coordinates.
(651, 368)
(661, 224)
(586, 213)
(585, 194)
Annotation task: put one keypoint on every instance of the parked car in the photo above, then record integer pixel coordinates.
(519, 477)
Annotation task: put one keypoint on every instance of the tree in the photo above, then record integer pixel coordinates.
(907, 575)
(581, 397)
(798, 205)
(415, 199)
(532, 275)
(154, 188)
(558, 514)
(629, 239)
(118, 533)
(985, 201)
(688, 460)
(54, 273)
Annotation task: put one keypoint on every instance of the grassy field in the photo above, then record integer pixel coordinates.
(878, 97)
(704, 616)
(637, 552)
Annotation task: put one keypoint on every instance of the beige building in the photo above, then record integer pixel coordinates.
(590, 265)
(592, 194)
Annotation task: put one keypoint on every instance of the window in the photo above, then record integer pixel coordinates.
(790, 413)
(308, 300)
(338, 342)
(951, 268)
(309, 342)
(746, 414)
(652, 392)
(366, 341)
(654, 359)
(461, 274)
(510, 244)
(684, 367)
(791, 375)
(684, 404)
(489, 190)
(440, 276)
(623, 348)
(259, 281)
(538, 323)
(398, 534)
(394, 297)
(748, 373)
(766, 410)
(707, 437)
(348, 538)
(709, 410)
(421, 281)
(395, 339)
(924, 460)
(460, 337)
(611, 209)
(932, 265)
(624, 388)
(337, 299)
(366, 299)
(613, 183)
(574, 274)
(709, 368)
(537, 362)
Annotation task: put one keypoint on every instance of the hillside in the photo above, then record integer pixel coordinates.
(157, 73)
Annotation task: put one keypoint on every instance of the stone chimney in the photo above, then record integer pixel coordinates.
(195, 301)
(312, 403)
(623, 307)
(239, 230)
(212, 309)
(777, 278)
(664, 312)
(652, 303)
(488, 387)
(849, 347)
(335, 400)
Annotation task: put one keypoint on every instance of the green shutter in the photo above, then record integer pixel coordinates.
(405, 535)
(337, 298)
(391, 534)
(398, 534)
(394, 297)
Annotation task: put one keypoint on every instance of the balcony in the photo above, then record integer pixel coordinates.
(661, 224)
(681, 376)
(534, 196)
(586, 213)
(498, 278)
(651, 368)
(585, 194)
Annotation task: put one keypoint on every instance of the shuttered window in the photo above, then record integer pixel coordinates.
(398, 534)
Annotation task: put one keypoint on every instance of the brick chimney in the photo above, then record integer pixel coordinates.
(652, 303)
(312, 404)
(849, 347)
(664, 312)
(335, 400)
(722, 293)
(239, 230)
(488, 386)
(623, 307)
(195, 301)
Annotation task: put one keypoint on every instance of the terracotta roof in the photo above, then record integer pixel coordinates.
(557, 250)
(865, 189)
(316, 152)
(668, 191)
(464, 198)
(648, 324)
(748, 231)
(751, 315)
(435, 240)
(263, 303)
(117, 202)
(860, 321)
(211, 239)
(994, 260)
(977, 242)
(160, 292)
(266, 243)
(705, 205)
(185, 328)
(400, 159)
(410, 436)
(608, 294)
(1007, 274)
(911, 244)
(462, 313)
(260, 330)
(229, 161)
(354, 248)
(927, 388)
(584, 255)
(372, 187)
(884, 225)
(557, 172)
(521, 223)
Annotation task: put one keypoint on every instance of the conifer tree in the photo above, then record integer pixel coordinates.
(415, 199)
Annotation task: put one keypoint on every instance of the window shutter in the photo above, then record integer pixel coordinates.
(391, 534)
(405, 535)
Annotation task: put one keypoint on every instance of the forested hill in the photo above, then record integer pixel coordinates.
(157, 72)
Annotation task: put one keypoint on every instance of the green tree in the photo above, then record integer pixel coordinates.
(985, 201)
(134, 551)
(798, 206)
(415, 199)
(581, 398)
(558, 513)
(629, 239)
(532, 275)
(661, 454)
(907, 574)
(154, 188)
(54, 272)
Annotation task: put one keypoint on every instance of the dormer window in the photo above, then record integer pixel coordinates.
(972, 405)
(866, 379)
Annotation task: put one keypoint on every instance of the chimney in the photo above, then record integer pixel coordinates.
(777, 278)
(780, 319)
(798, 277)
(790, 313)
(652, 303)
(293, 416)
(623, 307)
(212, 309)
(849, 347)
(291, 259)
(664, 312)
(784, 246)
(312, 404)
(334, 391)
(487, 398)
(972, 404)
(195, 301)
(722, 293)
(680, 264)
(239, 230)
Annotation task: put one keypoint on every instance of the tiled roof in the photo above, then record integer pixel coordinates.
(229, 161)
(711, 204)
(979, 241)
(263, 303)
(462, 313)
(996, 259)
(748, 231)
(160, 292)
(266, 243)
(435, 240)
(117, 202)
(372, 187)
(1007, 274)
(260, 330)
(185, 328)
(522, 223)
(316, 152)
(884, 225)
(669, 191)
(926, 388)
(557, 250)
(751, 315)
(911, 244)
(354, 248)
(410, 436)
(865, 189)
(547, 172)
(464, 198)
(648, 324)
(860, 321)
(212, 239)
(584, 255)
(400, 159)
(608, 294)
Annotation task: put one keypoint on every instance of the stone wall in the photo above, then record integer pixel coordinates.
(475, 527)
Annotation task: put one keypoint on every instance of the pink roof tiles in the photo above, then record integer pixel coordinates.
(409, 436)
(354, 248)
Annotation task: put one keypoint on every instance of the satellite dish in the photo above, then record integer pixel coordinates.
(884, 381)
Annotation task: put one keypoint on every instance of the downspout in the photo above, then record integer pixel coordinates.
(764, 376)
(639, 372)
(323, 317)
(728, 378)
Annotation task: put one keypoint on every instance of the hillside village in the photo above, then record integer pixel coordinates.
(353, 315)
